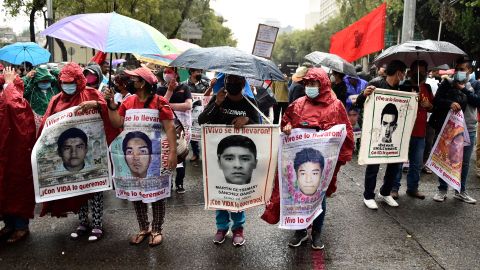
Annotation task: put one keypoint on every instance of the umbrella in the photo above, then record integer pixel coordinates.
(332, 61)
(111, 32)
(230, 61)
(117, 62)
(165, 60)
(20, 52)
(435, 53)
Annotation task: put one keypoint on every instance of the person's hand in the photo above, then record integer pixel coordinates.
(87, 105)
(109, 94)
(212, 82)
(9, 74)
(426, 104)
(31, 74)
(240, 121)
(221, 96)
(172, 85)
(287, 129)
(172, 160)
(455, 107)
(369, 90)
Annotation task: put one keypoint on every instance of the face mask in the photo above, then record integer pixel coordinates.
(311, 91)
(401, 82)
(116, 89)
(91, 79)
(168, 77)
(234, 88)
(198, 77)
(460, 76)
(44, 85)
(69, 88)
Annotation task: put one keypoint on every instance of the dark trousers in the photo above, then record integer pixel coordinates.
(280, 107)
(195, 148)
(180, 175)
(371, 179)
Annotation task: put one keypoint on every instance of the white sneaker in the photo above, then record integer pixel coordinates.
(464, 197)
(371, 204)
(440, 196)
(388, 200)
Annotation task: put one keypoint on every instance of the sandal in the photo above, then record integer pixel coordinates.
(155, 239)
(18, 235)
(5, 233)
(81, 230)
(95, 235)
(139, 237)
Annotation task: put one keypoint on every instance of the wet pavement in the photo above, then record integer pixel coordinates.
(417, 235)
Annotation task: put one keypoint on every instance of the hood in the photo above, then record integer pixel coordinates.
(73, 71)
(318, 74)
(42, 74)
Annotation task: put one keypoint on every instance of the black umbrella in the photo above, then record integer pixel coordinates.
(332, 61)
(435, 53)
(230, 61)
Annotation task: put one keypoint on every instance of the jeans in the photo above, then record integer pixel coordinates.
(318, 221)
(195, 148)
(223, 218)
(180, 175)
(16, 223)
(415, 158)
(467, 154)
(371, 179)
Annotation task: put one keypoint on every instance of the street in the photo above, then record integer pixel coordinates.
(417, 235)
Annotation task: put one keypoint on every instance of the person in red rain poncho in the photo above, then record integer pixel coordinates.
(318, 109)
(17, 199)
(74, 92)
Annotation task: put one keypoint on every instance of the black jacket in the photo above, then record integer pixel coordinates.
(445, 96)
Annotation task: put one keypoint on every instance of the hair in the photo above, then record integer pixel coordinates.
(308, 155)
(463, 60)
(390, 108)
(191, 70)
(236, 140)
(334, 73)
(394, 66)
(69, 134)
(421, 63)
(136, 135)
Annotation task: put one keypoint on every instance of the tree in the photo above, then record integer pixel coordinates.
(30, 8)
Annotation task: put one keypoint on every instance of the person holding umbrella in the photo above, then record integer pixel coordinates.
(229, 106)
(145, 98)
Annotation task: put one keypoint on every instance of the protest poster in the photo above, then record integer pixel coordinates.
(70, 157)
(265, 40)
(307, 162)
(200, 101)
(446, 157)
(239, 165)
(140, 158)
(388, 121)
(186, 120)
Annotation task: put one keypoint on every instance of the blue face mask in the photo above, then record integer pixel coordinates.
(311, 91)
(44, 85)
(69, 88)
(460, 76)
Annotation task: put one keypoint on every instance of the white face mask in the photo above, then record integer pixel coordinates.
(311, 91)
(168, 77)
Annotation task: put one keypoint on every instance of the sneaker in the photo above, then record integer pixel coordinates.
(298, 238)
(180, 189)
(440, 196)
(371, 204)
(416, 194)
(220, 237)
(238, 239)
(316, 241)
(427, 170)
(464, 197)
(388, 200)
(394, 194)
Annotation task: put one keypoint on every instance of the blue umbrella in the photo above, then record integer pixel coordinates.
(20, 52)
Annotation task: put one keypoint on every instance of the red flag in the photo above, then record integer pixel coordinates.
(363, 37)
(99, 58)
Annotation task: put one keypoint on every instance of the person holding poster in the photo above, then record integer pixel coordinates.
(137, 147)
(76, 93)
(417, 141)
(456, 95)
(319, 110)
(180, 98)
(395, 77)
(230, 107)
(17, 200)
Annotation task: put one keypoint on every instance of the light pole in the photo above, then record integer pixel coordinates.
(49, 22)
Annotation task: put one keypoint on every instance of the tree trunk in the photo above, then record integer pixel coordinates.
(186, 9)
(63, 49)
(32, 24)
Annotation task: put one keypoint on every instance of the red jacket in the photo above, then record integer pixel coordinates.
(323, 112)
(17, 138)
(63, 101)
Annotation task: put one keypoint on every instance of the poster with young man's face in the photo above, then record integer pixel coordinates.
(71, 156)
(388, 122)
(238, 165)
